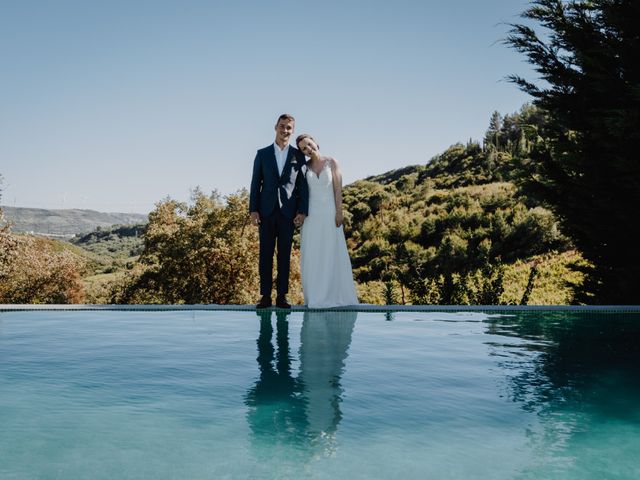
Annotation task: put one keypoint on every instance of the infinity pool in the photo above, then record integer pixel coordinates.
(340, 395)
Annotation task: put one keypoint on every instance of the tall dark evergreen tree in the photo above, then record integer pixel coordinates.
(585, 163)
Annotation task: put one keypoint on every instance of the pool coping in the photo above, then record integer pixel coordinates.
(301, 308)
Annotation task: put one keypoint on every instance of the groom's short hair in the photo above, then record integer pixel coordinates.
(285, 116)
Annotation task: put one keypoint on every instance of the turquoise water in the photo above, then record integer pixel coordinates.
(215, 395)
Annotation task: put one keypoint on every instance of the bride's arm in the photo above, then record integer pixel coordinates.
(337, 189)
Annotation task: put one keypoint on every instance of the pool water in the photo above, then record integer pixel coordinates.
(229, 394)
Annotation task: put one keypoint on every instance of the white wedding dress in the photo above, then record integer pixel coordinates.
(327, 280)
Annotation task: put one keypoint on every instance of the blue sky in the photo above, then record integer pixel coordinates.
(114, 105)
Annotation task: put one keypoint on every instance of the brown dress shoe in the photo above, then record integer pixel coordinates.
(265, 302)
(281, 302)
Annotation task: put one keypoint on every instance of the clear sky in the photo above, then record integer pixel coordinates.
(114, 105)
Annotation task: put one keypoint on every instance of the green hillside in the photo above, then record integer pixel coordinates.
(452, 231)
(117, 241)
(110, 252)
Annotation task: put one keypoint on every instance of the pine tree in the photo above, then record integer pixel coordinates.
(491, 137)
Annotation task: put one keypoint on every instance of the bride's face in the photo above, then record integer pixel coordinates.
(308, 146)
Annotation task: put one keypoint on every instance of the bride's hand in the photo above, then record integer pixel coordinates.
(339, 219)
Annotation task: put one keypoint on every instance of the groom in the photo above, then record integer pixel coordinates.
(278, 201)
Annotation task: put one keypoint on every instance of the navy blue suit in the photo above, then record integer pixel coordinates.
(278, 199)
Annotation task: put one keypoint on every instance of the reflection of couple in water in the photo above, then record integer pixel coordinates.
(301, 412)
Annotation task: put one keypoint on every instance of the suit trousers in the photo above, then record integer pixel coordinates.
(275, 229)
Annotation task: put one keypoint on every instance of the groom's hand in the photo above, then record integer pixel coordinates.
(299, 219)
(255, 218)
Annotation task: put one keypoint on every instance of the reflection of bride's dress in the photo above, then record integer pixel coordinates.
(325, 339)
(327, 280)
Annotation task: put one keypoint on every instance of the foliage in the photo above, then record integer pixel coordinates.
(8, 243)
(553, 284)
(583, 162)
(109, 252)
(446, 245)
(390, 294)
(371, 292)
(37, 270)
(206, 252)
(117, 241)
(99, 288)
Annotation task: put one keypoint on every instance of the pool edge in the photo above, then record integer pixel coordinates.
(358, 308)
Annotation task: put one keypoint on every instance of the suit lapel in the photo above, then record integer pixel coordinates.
(273, 162)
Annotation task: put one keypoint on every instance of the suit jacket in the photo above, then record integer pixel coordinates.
(267, 186)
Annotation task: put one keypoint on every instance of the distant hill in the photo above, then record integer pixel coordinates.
(66, 223)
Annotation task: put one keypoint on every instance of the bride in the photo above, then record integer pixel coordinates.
(327, 280)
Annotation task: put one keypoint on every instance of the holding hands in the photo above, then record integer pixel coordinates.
(299, 219)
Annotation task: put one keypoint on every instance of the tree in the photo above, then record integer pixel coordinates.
(206, 252)
(8, 244)
(491, 136)
(37, 270)
(584, 162)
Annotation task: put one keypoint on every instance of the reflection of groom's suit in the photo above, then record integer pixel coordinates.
(277, 198)
(277, 407)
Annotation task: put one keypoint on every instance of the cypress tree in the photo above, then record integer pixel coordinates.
(584, 163)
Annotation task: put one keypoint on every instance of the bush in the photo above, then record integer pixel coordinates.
(34, 272)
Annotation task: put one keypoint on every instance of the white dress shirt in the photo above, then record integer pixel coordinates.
(281, 156)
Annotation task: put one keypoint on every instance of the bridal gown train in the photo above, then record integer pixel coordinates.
(327, 280)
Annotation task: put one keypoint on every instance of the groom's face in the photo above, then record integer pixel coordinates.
(284, 130)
